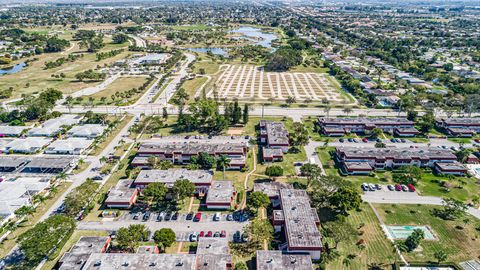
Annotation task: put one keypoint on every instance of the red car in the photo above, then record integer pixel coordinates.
(411, 188)
(202, 234)
(398, 187)
(365, 140)
(198, 217)
(223, 234)
(209, 234)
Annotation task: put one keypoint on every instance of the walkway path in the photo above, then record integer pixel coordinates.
(245, 182)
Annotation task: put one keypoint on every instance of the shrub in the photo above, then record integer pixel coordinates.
(274, 171)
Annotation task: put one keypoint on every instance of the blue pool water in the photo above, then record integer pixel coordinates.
(16, 68)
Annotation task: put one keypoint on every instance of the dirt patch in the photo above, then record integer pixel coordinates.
(235, 131)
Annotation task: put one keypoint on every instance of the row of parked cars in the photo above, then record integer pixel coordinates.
(238, 237)
(396, 187)
(365, 140)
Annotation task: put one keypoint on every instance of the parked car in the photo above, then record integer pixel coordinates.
(244, 237)
(175, 216)
(216, 217)
(146, 216)
(404, 188)
(350, 139)
(237, 237)
(403, 140)
(198, 217)
(365, 140)
(216, 234)
(355, 140)
(168, 216)
(341, 140)
(189, 216)
(392, 140)
(209, 234)
(160, 216)
(193, 237)
(202, 234)
(136, 216)
(391, 187)
(223, 233)
(365, 187)
(411, 188)
(229, 217)
(398, 187)
(372, 187)
(378, 187)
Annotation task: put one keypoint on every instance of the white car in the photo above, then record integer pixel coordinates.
(216, 217)
(193, 237)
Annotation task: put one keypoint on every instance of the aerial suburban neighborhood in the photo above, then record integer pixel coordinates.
(239, 135)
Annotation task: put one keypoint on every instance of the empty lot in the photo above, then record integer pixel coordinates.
(249, 82)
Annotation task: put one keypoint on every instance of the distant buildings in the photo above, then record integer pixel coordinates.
(342, 125)
(53, 126)
(353, 160)
(460, 127)
(220, 195)
(123, 195)
(202, 179)
(275, 138)
(91, 253)
(300, 223)
(275, 259)
(181, 153)
(89, 131)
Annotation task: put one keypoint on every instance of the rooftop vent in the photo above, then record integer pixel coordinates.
(125, 264)
(270, 260)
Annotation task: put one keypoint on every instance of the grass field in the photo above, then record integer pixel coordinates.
(459, 244)
(121, 84)
(99, 147)
(41, 79)
(378, 249)
(192, 86)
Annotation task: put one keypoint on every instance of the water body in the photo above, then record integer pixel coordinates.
(214, 50)
(12, 70)
(256, 35)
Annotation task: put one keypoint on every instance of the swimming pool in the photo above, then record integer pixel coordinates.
(402, 232)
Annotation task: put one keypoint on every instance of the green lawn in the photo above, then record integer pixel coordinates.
(286, 163)
(100, 146)
(192, 86)
(460, 140)
(378, 249)
(120, 85)
(460, 244)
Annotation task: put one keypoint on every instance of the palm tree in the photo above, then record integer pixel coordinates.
(223, 163)
(327, 109)
(103, 159)
(62, 176)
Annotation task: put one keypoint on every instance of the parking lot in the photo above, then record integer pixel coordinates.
(404, 197)
(182, 217)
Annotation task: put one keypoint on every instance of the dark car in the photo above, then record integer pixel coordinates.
(237, 237)
(146, 216)
(136, 216)
(216, 234)
(398, 187)
(168, 216)
(392, 140)
(190, 216)
(341, 140)
(350, 139)
(175, 216)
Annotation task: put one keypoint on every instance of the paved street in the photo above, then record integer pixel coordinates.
(79, 178)
(170, 89)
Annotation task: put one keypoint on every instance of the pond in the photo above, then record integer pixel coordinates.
(216, 51)
(14, 69)
(256, 35)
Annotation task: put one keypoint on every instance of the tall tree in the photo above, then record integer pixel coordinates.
(164, 238)
(223, 162)
(183, 188)
(129, 238)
